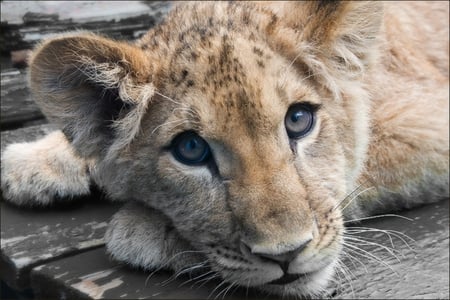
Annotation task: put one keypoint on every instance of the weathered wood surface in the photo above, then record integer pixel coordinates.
(106, 279)
(30, 237)
(417, 267)
(17, 105)
(25, 24)
(421, 272)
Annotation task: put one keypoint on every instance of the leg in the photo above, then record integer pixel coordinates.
(40, 172)
(145, 238)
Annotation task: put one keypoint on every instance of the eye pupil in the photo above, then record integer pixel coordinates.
(191, 145)
(296, 116)
(190, 149)
(299, 120)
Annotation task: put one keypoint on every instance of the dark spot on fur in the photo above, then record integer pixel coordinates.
(273, 22)
(181, 36)
(202, 32)
(258, 51)
(190, 83)
(246, 18)
(194, 56)
(260, 64)
(331, 241)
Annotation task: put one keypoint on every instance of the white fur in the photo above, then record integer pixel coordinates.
(40, 172)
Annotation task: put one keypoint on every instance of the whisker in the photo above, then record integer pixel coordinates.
(400, 235)
(352, 258)
(206, 280)
(367, 254)
(344, 273)
(197, 277)
(164, 265)
(346, 197)
(218, 286)
(357, 195)
(168, 98)
(234, 290)
(378, 216)
(365, 243)
(183, 271)
(369, 241)
(355, 190)
(225, 290)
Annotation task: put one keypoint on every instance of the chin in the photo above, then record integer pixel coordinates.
(312, 285)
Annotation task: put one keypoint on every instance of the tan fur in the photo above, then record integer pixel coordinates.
(230, 71)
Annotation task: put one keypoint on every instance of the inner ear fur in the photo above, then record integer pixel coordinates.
(94, 88)
(336, 40)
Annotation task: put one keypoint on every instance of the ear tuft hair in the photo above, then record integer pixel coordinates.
(94, 88)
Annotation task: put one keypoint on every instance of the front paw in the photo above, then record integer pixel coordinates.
(39, 172)
(144, 238)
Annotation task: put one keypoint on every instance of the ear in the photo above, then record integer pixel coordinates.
(333, 38)
(96, 89)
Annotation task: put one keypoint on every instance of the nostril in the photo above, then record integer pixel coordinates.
(301, 247)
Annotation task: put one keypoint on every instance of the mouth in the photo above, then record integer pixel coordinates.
(287, 278)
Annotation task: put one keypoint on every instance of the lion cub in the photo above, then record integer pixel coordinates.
(245, 132)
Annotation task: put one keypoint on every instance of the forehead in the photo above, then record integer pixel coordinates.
(233, 84)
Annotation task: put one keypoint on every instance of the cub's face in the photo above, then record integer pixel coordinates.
(244, 154)
(242, 129)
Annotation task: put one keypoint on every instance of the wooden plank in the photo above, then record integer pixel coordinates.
(30, 237)
(24, 23)
(92, 275)
(17, 105)
(421, 273)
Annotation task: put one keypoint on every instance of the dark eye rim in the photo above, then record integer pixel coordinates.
(203, 160)
(310, 107)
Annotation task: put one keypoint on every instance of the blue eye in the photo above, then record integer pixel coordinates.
(299, 120)
(190, 149)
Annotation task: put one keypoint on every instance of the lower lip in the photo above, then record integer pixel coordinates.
(287, 278)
